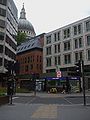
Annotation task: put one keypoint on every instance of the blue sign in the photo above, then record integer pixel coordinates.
(62, 78)
(56, 78)
(73, 78)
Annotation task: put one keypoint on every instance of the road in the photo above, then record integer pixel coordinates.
(46, 107)
(61, 100)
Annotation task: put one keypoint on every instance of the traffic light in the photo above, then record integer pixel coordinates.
(10, 86)
(78, 68)
(9, 66)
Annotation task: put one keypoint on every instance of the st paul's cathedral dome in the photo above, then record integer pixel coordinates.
(24, 25)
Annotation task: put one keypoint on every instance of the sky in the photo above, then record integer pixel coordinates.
(49, 15)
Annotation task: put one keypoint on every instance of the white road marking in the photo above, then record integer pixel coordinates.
(15, 98)
(30, 100)
(67, 101)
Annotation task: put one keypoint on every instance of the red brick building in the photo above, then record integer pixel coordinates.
(30, 56)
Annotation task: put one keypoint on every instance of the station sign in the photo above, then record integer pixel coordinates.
(59, 74)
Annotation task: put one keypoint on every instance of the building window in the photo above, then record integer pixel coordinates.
(0, 61)
(31, 66)
(76, 43)
(78, 56)
(40, 67)
(88, 26)
(1, 36)
(2, 23)
(28, 59)
(48, 62)
(25, 60)
(37, 66)
(31, 59)
(81, 55)
(57, 60)
(66, 33)
(77, 29)
(57, 36)
(88, 54)
(2, 12)
(1, 49)
(48, 39)
(88, 40)
(37, 58)
(67, 46)
(57, 48)
(4, 2)
(26, 68)
(48, 50)
(67, 59)
(80, 42)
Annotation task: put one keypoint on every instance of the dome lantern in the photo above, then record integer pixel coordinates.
(23, 13)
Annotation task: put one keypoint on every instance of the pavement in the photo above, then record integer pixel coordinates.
(19, 111)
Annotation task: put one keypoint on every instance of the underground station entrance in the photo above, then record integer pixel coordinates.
(54, 84)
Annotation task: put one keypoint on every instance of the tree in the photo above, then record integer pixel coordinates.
(21, 37)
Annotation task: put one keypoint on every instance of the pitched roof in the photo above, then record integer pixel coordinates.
(28, 45)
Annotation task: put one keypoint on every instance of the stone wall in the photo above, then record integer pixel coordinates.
(4, 100)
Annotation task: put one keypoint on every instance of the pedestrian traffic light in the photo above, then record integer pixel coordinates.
(78, 68)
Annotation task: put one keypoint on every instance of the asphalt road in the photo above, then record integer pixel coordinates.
(46, 107)
(50, 100)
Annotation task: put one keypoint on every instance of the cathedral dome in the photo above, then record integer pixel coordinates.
(24, 25)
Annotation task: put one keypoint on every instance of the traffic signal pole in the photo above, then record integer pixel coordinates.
(83, 79)
(80, 71)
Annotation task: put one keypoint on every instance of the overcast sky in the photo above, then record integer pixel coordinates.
(48, 15)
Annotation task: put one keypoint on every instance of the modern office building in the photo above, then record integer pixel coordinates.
(63, 47)
(8, 32)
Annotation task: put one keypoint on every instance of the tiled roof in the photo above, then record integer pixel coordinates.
(28, 45)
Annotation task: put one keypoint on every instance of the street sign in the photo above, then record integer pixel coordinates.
(59, 74)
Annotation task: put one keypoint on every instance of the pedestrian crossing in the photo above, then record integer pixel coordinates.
(46, 111)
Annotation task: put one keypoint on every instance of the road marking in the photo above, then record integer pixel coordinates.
(68, 101)
(46, 111)
(31, 100)
(15, 98)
